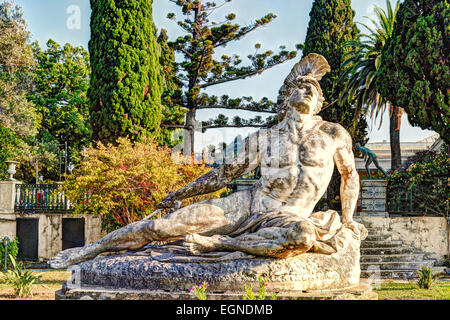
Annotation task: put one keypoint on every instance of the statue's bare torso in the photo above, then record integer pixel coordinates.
(297, 162)
(297, 165)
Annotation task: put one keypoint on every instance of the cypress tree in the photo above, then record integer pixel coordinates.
(126, 81)
(415, 64)
(330, 26)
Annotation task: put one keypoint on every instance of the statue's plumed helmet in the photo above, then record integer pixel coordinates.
(310, 69)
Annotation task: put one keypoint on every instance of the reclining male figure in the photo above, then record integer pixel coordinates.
(297, 158)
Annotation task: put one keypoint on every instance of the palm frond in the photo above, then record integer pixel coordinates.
(363, 61)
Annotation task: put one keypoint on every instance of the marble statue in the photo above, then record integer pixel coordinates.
(369, 157)
(275, 217)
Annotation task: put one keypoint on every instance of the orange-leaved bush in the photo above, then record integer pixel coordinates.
(124, 182)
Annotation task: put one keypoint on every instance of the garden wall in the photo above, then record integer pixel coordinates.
(50, 225)
(7, 225)
(50, 232)
(428, 234)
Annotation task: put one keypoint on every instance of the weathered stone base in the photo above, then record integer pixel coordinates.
(155, 273)
(359, 292)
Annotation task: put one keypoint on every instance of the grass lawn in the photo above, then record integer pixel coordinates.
(53, 279)
(411, 291)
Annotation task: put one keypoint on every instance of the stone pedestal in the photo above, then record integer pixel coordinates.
(143, 275)
(8, 196)
(7, 201)
(362, 291)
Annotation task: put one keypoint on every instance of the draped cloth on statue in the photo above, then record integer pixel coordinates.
(329, 237)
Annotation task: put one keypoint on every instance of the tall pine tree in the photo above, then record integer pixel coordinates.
(330, 26)
(200, 70)
(127, 80)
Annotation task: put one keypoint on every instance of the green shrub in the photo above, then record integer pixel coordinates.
(21, 280)
(262, 295)
(422, 184)
(13, 250)
(447, 262)
(200, 291)
(426, 278)
(125, 181)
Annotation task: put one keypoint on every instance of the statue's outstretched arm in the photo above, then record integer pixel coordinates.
(216, 179)
(345, 162)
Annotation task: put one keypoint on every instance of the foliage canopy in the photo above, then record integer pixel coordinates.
(124, 182)
(61, 82)
(415, 69)
(127, 80)
(18, 120)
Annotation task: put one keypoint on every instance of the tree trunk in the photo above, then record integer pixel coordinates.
(189, 133)
(395, 122)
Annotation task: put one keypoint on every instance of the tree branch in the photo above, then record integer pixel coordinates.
(181, 126)
(249, 74)
(234, 126)
(235, 108)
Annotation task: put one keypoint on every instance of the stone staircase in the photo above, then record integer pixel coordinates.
(384, 258)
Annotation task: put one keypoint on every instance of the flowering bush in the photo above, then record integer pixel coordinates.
(262, 295)
(124, 183)
(200, 291)
(422, 184)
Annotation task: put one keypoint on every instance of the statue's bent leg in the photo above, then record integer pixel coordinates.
(367, 165)
(375, 161)
(279, 242)
(215, 216)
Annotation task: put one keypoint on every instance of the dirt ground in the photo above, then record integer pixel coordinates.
(53, 279)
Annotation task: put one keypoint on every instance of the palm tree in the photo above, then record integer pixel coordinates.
(361, 67)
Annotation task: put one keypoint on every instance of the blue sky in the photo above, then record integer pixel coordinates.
(57, 19)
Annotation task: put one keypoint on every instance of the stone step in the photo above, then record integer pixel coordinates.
(381, 244)
(392, 257)
(390, 274)
(378, 237)
(373, 230)
(397, 274)
(388, 251)
(405, 265)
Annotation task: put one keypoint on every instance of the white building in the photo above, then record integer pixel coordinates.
(383, 151)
